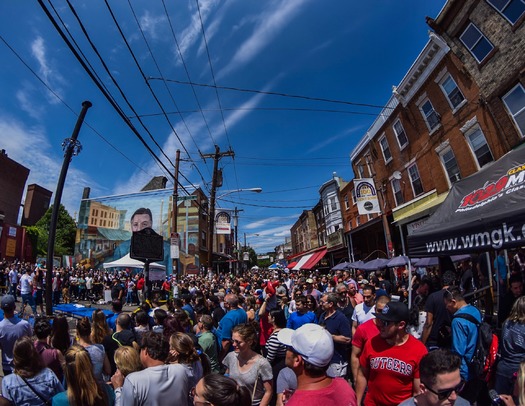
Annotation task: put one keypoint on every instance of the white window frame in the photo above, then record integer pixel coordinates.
(397, 190)
(385, 149)
(481, 37)
(426, 116)
(521, 110)
(412, 180)
(468, 135)
(443, 164)
(347, 204)
(505, 7)
(447, 95)
(398, 121)
(354, 197)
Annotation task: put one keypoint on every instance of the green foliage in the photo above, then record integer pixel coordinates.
(65, 232)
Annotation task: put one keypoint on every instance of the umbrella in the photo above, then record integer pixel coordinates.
(374, 264)
(428, 261)
(356, 264)
(434, 261)
(275, 266)
(399, 261)
(343, 266)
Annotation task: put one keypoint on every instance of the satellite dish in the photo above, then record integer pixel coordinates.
(397, 175)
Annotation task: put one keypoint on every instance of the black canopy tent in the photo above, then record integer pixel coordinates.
(482, 212)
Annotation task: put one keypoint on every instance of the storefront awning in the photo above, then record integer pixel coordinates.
(316, 257)
(418, 208)
(291, 264)
(302, 261)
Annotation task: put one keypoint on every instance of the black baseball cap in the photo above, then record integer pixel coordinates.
(394, 311)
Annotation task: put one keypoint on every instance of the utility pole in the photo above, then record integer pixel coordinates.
(71, 147)
(175, 239)
(211, 210)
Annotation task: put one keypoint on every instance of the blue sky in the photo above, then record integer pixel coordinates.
(337, 50)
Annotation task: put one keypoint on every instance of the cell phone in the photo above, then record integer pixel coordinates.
(494, 397)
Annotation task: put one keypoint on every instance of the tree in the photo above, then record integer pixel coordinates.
(65, 233)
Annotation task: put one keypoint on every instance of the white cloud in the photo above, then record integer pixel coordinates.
(270, 25)
(50, 76)
(343, 134)
(151, 24)
(193, 32)
(31, 148)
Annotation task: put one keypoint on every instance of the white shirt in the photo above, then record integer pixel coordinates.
(363, 313)
(26, 284)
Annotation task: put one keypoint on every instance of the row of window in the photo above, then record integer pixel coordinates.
(103, 223)
(103, 214)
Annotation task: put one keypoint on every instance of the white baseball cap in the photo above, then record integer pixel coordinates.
(311, 341)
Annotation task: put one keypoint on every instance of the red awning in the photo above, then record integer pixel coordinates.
(316, 257)
(291, 265)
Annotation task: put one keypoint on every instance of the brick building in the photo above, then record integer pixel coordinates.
(36, 204)
(488, 37)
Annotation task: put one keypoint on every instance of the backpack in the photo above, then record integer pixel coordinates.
(482, 364)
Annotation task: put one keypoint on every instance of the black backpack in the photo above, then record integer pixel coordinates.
(478, 364)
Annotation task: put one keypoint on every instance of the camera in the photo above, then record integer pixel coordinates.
(494, 397)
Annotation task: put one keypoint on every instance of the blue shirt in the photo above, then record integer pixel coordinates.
(464, 337)
(297, 319)
(228, 322)
(337, 324)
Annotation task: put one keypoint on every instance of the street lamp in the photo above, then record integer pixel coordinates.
(252, 189)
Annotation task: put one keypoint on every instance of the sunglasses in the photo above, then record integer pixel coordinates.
(385, 322)
(445, 393)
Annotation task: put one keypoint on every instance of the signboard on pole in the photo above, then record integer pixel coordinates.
(366, 196)
(174, 245)
(222, 223)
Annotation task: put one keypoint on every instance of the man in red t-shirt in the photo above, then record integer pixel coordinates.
(140, 287)
(309, 351)
(389, 363)
(363, 333)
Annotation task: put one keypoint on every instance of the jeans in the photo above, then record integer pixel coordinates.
(27, 298)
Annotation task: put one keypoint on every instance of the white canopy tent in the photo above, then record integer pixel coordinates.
(127, 262)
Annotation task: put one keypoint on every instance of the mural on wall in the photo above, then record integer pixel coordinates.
(105, 226)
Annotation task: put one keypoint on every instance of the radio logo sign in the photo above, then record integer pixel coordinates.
(366, 196)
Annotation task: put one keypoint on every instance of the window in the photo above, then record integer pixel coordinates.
(333, 204)
(451, 165)
(415, 180)
(398, 193)
(512, 10)
(451, 90)
(478, 143)
(385, 148)
(347, 206)
(354, 198)
(430, 115)
(361, 170)
(478, 45)
(401, 136)
(515, 102)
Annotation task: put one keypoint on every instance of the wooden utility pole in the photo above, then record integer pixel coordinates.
(211, 210)
(175, 239)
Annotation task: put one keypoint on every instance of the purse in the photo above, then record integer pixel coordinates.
(47, 402)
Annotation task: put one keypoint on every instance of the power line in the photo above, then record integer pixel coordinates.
(297, 109)
(67, 105)
(101, 88)
(294, 96)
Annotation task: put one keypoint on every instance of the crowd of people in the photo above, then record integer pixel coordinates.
(268, 337)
